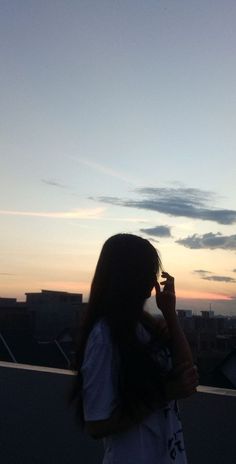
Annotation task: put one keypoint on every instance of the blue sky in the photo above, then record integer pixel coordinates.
(102, 101)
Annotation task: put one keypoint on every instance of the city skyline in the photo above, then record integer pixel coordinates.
(118, 118)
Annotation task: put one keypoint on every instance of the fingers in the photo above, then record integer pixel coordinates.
(165, 299)
(169, 284)
(166, 275)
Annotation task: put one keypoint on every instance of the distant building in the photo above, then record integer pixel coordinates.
(208, 314)
(42, 330)
(14, 315)
(7, 302)
(53, 311)
(186, 319)
(212, 338)
(184, 312)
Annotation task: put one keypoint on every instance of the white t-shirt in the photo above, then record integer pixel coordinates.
(158, 439)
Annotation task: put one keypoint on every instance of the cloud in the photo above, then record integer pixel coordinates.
(53, 183)
(7, 274)
(86, 213)
(179, 202)
(158, 231)
(101, 168)
(209, 241)
(201, 272)
(217, 278)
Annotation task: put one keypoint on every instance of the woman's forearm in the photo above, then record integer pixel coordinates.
(183, 378)
(166, 302)
(181, 351)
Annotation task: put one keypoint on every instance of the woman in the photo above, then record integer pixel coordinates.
(132, 367)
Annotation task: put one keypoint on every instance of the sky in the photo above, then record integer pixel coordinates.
(118, 116)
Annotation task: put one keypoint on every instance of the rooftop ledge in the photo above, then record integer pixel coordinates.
(40, 427)
(54, 370)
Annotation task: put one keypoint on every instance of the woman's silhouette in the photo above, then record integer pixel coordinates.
(132, 367)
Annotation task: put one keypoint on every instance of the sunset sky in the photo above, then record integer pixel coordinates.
(118, 116)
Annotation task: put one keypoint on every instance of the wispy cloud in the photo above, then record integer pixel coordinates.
(7, 274)
(86, 213)
(101, 168)
(126, 219)
(53, 183)
(209, 241)
(201, 272)
(180, 202)
(208, 275)
(217, 278)
(158, 231)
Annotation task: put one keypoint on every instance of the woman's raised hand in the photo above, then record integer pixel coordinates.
(166, 299)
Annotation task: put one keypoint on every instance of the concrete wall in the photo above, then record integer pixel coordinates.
(37, 427)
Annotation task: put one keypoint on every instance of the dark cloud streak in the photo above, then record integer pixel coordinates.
(158, 231)
(217, 278)
(178, 202)
(7, 274)
(209, 241)
(201, 272)
(53, 183)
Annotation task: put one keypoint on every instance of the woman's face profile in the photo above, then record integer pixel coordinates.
(150, 284)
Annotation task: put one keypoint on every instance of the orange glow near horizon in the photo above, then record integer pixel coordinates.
(195, 295)
(61, 286)
(83, 287)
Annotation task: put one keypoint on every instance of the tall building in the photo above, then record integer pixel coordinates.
(53, 311)
(42, 330)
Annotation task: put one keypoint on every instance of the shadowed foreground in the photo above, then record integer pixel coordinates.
(37, 427)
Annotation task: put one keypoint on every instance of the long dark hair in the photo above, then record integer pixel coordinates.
(124, 277)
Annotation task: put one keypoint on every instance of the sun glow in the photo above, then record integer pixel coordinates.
(194, 294)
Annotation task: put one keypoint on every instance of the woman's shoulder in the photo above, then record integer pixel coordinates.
(100, 333)
(98, 342)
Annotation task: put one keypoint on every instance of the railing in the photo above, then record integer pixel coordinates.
(38, 427)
